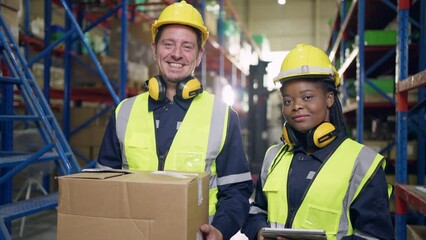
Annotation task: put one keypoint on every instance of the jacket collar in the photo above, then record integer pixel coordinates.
(182, 103)
(323, 154)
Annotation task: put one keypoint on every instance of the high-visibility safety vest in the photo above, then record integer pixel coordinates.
(197, 143)
(327, 202)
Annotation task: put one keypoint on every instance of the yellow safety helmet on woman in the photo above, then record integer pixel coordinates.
(307, 61)
(184, 14)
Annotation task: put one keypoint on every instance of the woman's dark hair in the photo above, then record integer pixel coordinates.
(336, 111)
(197, 32)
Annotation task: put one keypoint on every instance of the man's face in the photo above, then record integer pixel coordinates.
(176, 53)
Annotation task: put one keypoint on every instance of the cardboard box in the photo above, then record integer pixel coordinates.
(411, 151)
(138, 205)
(12, 4)
(85, 73)
(12, 20)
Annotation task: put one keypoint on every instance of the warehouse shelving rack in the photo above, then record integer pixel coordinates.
(410, 196)
(352, 19)
(216, 59)
(17, 77)
(349, 25)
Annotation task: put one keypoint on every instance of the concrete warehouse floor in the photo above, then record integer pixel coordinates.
(42, 226)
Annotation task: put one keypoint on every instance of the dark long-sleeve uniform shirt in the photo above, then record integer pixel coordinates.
(369, 213)
(233, 205)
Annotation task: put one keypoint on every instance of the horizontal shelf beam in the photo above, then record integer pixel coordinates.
(412, 82)
(414, 196)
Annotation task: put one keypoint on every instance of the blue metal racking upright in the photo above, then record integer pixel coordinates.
(410, 196)
(354, 18)
(216, 56)
(16, 72)
(16, 76)
(361, 62)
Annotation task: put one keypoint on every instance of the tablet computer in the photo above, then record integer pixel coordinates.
(290, 233)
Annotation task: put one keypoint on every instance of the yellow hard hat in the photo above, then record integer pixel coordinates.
(184, 14)
(307, 61)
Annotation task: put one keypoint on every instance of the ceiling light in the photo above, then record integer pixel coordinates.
(281, 2)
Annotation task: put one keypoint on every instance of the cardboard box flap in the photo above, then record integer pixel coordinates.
(106, 170)
(95, 175)
(175, 176)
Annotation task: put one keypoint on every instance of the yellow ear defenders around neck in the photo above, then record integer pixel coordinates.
(319, 137)
(156, 87)
(188, 88)
(185, 89)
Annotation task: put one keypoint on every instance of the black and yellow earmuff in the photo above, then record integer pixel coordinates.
(156, 87)
(188, 88)
(185, 89)
(319, 137)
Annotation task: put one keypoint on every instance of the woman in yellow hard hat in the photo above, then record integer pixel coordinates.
(177, 126)
(318, 178)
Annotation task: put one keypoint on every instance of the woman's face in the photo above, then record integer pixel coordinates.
(305, 104)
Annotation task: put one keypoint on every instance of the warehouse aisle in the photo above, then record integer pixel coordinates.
(43, 227)
(40, 226)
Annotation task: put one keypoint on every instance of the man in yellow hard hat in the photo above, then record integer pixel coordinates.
(318, 178)
(176, 126)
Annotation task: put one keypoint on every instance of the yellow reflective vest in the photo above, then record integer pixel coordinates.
(327, 202)
(195, 147)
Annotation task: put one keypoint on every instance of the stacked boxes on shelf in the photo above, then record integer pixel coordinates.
(380, 37)
(88, 140)
(10, 12)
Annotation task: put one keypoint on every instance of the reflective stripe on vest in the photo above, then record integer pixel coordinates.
(194, 148)
(327, 202)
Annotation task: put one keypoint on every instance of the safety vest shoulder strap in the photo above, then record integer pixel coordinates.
(200, 137)
(123, 114)
(270, 155)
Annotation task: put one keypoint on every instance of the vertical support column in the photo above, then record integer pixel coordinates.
(220, 31)
(6, 136)
(6, 130)
(203, 65)
(317, 20)
(123, 50)
(342, 48)
(67, 78)
(26, 9)
(421, 158)
(360, 71)
(47, 42)
(401, 113)
(234, 79)
(243, 81)
(80, 20)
